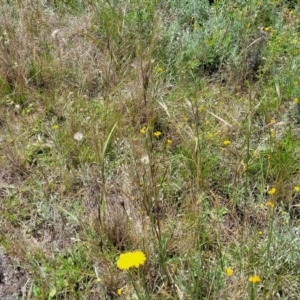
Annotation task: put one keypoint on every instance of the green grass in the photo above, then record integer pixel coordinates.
(160, 126)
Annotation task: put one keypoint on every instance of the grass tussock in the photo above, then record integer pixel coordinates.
(170, 128)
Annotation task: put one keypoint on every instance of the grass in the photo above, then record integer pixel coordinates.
(168, 127)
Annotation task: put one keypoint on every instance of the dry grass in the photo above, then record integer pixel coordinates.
(154, 126)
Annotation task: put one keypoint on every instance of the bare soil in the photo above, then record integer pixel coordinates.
(13, 280)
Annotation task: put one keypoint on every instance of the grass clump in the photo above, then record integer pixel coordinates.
(164, 135)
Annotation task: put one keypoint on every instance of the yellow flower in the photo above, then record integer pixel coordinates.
(296, 188)
(98, 279)
(272, 191)
(200, 108)
(131, 259)
(143, 130)
(159, 69)
(226, 142)
(55, 126)
(273, 133)
(229, 272)
(169, 141)
(254, 279)
(296, 100)
(271, 204)
(157, 133)
(267, 28)
(260, 232)
(119, 292)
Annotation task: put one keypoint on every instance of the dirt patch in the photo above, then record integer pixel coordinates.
(13, 280)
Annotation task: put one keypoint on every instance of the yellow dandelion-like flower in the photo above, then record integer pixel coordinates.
(272, 191)
(98, 279)
(169, 141)
(159, 69)
(273, 132)
(143, 130)
(157, 133)
(229, 272)
(200, 108)
(260, 232)
(266, 28)
(296, 100)
(296, 188)
(119, 292)
(226, 142)
(271, 204)
(131, 259)
(55, 126)
(272, 121)
(254, 279)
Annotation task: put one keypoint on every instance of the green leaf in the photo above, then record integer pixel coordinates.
(52, 292)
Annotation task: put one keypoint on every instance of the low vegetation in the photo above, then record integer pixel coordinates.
(162, 135)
